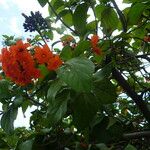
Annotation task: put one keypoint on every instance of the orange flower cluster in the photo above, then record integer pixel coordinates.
(43, 55)
(18, 64)
(67, 40)
(94, 43)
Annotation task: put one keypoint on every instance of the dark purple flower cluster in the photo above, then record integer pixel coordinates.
(35, 22)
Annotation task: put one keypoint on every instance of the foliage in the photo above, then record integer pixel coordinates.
(91, 92)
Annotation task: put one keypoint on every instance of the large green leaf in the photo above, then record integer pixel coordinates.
(79, 18)
(109, 19)
(66, 16)
(130, 147)
(53, 89)
(58, 6)
(66, 53)
(77, 73)
(82, 47)
(105, 91)
(27, 145)
(85, 107)
(102, 146)
(103, 73)
(4, 89)
(135, 13)
(42, 2)
(98, 10)
(7, 120)
(58, 107)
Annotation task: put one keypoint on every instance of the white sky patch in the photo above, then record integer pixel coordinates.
(14, 26)
(4, 4)
(121, 5)
(1, 19)
(24, 120)
(30, 5)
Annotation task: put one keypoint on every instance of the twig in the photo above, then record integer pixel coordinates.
(42, 36)
(136, 135)
(75, 32)
(34, 101)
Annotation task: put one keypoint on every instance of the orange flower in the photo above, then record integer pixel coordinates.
(94, 40)
(54, 63)
(42, 54)
(0, 58)
(94, 43)
(97, 50)
(18, 64)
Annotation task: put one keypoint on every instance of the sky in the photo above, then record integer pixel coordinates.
(11, 23)
(11, 20)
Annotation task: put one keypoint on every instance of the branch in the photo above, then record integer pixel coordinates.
(34, 101)
(136, 135)
(121, 16)
(57, 15)
(136, 98)
(144, 56)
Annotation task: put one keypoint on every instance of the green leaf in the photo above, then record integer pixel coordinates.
(109, 19)
(99, 131)
(42, 2)
(134, 1)
(91, 26)
(103, 73)
(79, 18)
(77, 73)
(53, 89)
(135, 13)
(43, 69)
(49, 34)
(85, 107)
(66, 53)
(4, 89)
(98, 10)
(105, 91)
(58, 107)
(67, 17)
(7, 120)
(82, 47)
(102, 146)
(130, 147)
(58, 6)
(27, 145)
(18, 101)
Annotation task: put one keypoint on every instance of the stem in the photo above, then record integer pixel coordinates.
(136, 98)
(136, 135)
(121, 16)
(34, 101)
(42, 36)
(61, 18)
